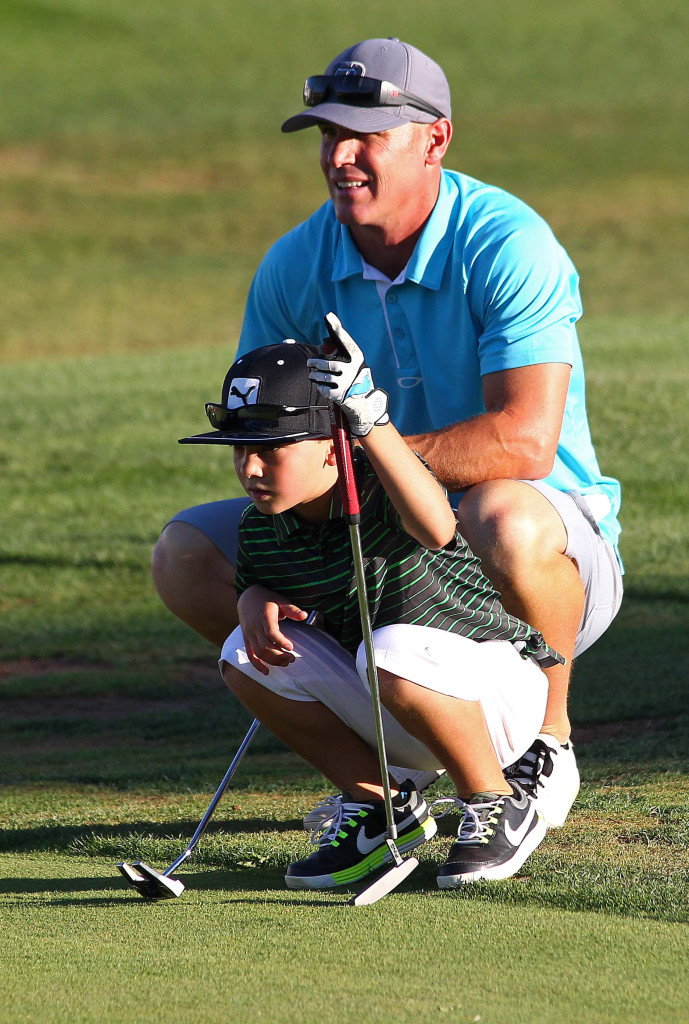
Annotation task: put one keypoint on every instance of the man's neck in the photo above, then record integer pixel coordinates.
(389, 258)
(389, 248)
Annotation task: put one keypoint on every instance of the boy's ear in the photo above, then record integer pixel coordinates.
(330, 459)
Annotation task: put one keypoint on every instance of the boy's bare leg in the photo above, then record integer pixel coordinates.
(453, 729)
(314, 732)
(521, 540)
(499, 825)
(195, 581)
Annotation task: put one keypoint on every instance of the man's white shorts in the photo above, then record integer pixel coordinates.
(512, 690)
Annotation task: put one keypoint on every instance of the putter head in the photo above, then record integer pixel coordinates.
(384, 884)
(132, 876)
(149, 883)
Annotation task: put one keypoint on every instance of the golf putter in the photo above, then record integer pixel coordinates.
(153, 885)
(342, 441)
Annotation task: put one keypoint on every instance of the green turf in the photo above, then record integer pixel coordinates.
(155, 975)
(215, 955)
(142, 176)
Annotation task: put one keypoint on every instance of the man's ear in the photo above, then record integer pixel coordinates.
(439, 138)
(331, 458)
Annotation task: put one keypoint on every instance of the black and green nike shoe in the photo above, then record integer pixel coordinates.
(355, 841)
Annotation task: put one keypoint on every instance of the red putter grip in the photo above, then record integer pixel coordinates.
(342, 442)
(345, 463)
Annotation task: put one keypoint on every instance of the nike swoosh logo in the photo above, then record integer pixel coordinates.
(365, 845)
(516, 835)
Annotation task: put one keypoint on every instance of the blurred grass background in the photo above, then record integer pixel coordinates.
(143, 174)
(142, 177)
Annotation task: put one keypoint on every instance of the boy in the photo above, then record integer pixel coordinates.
(459, 678)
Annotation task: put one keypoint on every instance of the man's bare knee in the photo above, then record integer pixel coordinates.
(184, 554)
(509, 524)
(195, 581)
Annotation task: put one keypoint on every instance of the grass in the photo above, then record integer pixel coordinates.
(152, 976)
(142, 176)
(116, 728)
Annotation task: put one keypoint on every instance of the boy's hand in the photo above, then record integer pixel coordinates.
(344, 378)
(260, 610)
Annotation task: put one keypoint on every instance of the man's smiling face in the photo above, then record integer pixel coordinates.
(376, 180)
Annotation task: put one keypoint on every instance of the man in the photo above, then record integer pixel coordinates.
(465, 306)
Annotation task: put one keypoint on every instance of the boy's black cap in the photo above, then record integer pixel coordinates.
(267, 398)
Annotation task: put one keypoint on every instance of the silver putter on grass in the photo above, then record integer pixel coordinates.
(153, 885)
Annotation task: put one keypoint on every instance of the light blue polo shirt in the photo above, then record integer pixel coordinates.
(487, 288)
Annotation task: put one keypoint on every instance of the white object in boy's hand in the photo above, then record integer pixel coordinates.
(344, 378)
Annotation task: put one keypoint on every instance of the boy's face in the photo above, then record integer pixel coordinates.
(297, 476)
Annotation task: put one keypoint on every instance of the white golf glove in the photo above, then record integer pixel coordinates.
(344, 378)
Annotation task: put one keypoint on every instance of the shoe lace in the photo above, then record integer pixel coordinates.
(337, 816)
(528, 771)
(453, 802)
(323, 813)
(477, 821)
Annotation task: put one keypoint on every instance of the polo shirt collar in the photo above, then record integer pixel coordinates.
(286, 523)
(428, 260)
(427, 263)
(347, 256)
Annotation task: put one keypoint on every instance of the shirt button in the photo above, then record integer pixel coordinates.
(391, 297)
(399, 333)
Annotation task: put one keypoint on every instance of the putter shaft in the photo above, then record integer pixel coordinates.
(193, 842)
(342, 442)
(372, 675)
(152, 884)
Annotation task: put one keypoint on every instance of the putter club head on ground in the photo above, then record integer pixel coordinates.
(149, 883)
(129, 873)
(384, 884)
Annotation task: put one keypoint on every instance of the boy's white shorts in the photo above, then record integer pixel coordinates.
(512, 690)
(594, 558)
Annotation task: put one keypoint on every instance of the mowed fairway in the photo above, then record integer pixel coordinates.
(142, 176)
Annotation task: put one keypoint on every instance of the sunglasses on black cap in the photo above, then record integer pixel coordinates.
(362, 92)
(221, 418)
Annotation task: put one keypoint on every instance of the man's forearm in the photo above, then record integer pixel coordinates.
(516, 439)
(485, 447)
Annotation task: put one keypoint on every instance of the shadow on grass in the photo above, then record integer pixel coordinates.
(249, 879)
(242, 881)
(68, 838)
(589, 888)
(26, 886)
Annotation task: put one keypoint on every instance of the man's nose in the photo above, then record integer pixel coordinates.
(342, 151)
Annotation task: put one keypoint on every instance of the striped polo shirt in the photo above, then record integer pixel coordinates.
(313, 567)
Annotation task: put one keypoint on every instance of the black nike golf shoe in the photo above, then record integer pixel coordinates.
(355, 841)
(496, 834)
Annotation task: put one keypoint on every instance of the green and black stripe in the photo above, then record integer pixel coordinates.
(406, 583)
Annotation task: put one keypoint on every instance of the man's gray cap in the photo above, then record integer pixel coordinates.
(391, 61)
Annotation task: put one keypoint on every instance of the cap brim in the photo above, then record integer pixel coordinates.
(221, 437)
(355, 119)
